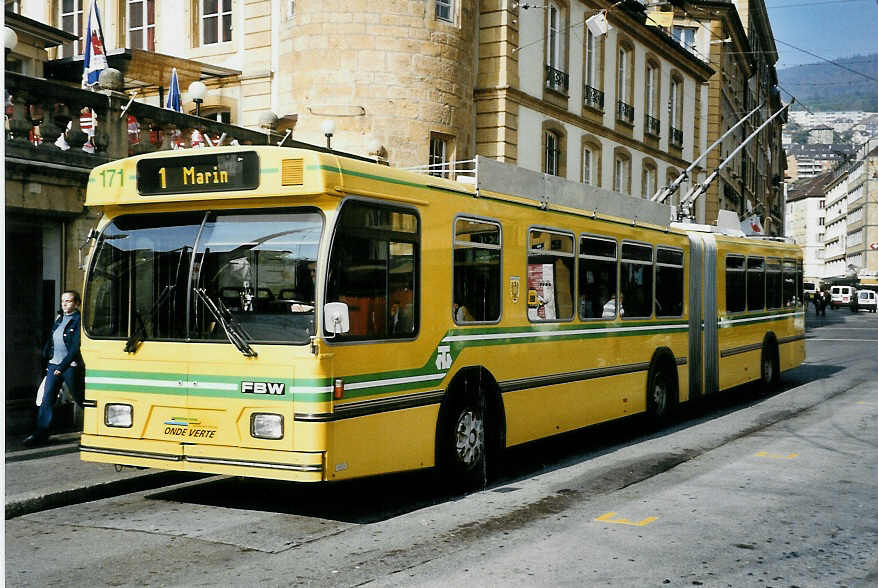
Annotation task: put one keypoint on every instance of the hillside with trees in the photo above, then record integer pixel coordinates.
(827, 87)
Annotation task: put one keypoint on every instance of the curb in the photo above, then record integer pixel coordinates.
(20, 505)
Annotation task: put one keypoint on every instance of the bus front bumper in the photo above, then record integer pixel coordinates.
(296, 466)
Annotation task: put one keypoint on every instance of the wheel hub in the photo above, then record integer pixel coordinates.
(470, 438)
(659, 396)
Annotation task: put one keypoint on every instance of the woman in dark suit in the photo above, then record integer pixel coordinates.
(65, 365)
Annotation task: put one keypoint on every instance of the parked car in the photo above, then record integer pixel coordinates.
(842, 296)
(865, 300)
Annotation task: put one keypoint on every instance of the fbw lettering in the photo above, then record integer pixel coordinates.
(272, 388)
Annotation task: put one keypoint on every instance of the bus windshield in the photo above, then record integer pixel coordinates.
(224, 276)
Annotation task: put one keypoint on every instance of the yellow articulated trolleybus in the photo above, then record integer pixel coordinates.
(296, 314)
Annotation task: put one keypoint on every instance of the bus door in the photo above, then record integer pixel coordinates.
(703, 344)
(251, 319)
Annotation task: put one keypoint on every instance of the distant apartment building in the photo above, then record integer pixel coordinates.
(813, 119)
(807, 161)
(821, 135)
(835, 237)
(806, 221)
(862, 216)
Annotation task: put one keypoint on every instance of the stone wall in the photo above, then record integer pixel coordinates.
(387, 73)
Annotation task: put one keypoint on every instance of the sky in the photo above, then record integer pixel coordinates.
(829, 28)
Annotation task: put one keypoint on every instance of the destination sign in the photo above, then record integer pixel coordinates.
(211, 172)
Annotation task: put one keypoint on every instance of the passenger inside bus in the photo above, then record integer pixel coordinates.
(461, 313)
(610, 308)
(303, 296)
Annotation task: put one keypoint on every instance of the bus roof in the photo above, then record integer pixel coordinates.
(266, 171)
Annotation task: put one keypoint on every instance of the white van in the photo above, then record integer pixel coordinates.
(866, 300)
(842, 296)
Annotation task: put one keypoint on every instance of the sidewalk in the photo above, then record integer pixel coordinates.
(52, 476)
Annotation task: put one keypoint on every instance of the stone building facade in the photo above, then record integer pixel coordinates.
(439, 81)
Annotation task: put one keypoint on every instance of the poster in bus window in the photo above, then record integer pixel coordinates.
(541, 291)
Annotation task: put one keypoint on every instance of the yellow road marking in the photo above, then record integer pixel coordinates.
(608, 518)
(777, 455)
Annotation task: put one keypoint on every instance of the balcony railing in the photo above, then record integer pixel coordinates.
(624, 112)
(557, 80)
(652, 125)
(593, 97)
(57, 124)
(676, 137)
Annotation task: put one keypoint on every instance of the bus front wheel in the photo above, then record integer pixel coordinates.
(464, 451)
(660, 394)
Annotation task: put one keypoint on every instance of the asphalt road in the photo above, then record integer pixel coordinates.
(770, 492)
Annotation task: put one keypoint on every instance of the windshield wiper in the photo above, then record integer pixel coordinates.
(139, 332)
(225, 319)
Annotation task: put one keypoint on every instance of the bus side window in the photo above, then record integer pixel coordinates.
(736, 284)
(373, 269)
(668, 282)
(549, 276)
(635, 281)
(772, 283)
(755, 283)
(790, 286)
(597, 276)
(477, 280)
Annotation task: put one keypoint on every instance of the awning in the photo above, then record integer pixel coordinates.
(141, 69)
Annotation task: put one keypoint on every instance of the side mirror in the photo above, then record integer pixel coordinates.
(91, 236)
(335, 318)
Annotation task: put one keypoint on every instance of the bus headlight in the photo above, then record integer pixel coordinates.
(264, 425)
(119, 415)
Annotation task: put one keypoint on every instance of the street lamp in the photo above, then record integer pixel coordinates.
(10, 39)
(328, 128)
(197, 91)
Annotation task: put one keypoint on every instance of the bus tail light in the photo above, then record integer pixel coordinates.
(119, 415)
(338, 389)
(265, 425)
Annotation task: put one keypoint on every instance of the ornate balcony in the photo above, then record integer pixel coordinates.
(652, 125)
(676, 137)
(624, 112)
(557, 80)
(592, 97)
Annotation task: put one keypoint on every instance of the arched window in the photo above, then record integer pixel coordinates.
(622, 171)
(557, 78)
(552, 160)
(593, 94)
(676, 111)
(625, 82)
(649, 179)
(591, 162)
(652, 91)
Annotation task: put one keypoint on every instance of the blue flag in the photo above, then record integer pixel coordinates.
(174, 100)
(95, 60)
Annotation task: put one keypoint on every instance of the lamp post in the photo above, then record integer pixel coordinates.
(197, 91)
(328, 128)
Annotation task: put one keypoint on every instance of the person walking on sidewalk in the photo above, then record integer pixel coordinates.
(65, 365)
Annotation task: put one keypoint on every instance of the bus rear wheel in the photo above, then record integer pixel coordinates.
(769, 369)
(464, 442)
